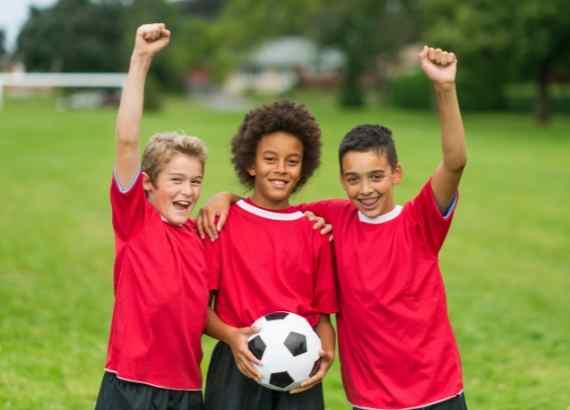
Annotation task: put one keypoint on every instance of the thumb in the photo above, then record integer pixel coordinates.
(249, 331)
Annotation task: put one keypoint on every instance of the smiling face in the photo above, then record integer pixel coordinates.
(368, 180)
(176, 188)
(276, 169)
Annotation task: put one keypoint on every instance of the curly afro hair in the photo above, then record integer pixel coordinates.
(284, 116)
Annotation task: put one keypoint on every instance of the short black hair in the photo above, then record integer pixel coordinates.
(283, 116)
(369, 137)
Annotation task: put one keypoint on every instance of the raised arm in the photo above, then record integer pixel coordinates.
(149, 40)
(441, 67)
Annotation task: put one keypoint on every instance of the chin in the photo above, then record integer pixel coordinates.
(372, 213)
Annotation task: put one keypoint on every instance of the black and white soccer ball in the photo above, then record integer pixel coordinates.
(288, 348)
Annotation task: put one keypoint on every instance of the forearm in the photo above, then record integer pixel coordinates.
(454, 149)
(132, 99)
(217, 329)
(326, 333)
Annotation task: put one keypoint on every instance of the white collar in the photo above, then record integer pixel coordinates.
(264, 213)
(381, 218)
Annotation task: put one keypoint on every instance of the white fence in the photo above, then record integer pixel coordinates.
(51, 80)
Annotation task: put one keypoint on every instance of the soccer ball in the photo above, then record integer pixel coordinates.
(288, 348)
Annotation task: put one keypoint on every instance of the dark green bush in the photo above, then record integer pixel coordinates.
(411, 90)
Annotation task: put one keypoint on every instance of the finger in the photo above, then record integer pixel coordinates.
(319, 223)
(243, 370)
(423, 53)
(208, 220)
(251, 370)
(309, 215)
(306, 385)
(453, 57)
(199, 224)
(221, 221)
(327, 228)
(249, 331)
(251, 358)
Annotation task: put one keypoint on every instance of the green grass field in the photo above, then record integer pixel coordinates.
(506, 261)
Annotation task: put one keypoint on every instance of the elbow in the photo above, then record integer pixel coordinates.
(457, 165)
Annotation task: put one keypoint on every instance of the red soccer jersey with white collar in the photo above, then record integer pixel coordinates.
(161, 295)
(266, 261)
(396, 345)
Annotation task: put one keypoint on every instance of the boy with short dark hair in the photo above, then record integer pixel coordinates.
(396, 345)
(160, 276)
(269, 258)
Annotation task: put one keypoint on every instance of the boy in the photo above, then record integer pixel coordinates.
(160, 282)
(396, 345)
(269, 258)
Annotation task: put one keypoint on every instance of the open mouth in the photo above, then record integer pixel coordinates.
(182, 206)
(368, 203)
(278, 183)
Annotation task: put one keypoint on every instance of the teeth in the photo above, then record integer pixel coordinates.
(279, 183)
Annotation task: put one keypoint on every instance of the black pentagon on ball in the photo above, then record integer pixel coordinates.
(257, 347)
(276, 316)
(280, 379)
(296, 343)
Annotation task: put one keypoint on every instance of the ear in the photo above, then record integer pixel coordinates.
(147, 183)
(397, 174)
(251, 171)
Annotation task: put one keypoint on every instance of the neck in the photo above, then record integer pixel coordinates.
(268, 203)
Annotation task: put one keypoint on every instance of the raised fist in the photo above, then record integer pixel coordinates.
(440, 66)
(151, 38)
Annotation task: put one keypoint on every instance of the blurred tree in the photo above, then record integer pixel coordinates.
(499, 42)
(166, 68)
(2, 43)
(74, 36)
(361, 29)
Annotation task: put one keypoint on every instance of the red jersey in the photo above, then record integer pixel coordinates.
(396, 345)
(161, 296)
(266, 261)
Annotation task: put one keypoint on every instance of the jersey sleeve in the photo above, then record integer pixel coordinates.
(325, 295)
(128, 206)
(329, 209)
(212, 250)
(433, 224)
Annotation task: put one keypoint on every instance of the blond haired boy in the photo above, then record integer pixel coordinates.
(160, 284)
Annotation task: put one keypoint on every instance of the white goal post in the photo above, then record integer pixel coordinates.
(52, 80)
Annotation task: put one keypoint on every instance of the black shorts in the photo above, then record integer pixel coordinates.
(228, 389)
(456, 403)
(117, 394)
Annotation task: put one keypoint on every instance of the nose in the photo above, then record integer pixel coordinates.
(281, 167)
(187, 188)
(365, 187)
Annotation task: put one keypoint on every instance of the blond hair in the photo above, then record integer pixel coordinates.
(163, 146)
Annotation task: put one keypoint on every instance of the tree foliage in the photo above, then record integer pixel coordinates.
(73, 36)
(500, 42)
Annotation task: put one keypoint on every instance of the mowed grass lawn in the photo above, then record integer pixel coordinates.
(506, 260)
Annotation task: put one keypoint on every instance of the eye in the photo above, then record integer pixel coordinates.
(376, 177)
(293, 162)
(270, 160)
(352, 180)
(196, 182)
(177, 180)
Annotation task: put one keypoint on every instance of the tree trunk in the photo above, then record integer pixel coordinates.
(543, 109)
